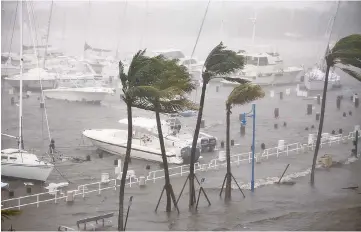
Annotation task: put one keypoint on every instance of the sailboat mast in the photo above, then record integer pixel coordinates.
(21, 144)
(47, 34)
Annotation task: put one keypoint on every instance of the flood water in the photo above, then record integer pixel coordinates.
(299, 207)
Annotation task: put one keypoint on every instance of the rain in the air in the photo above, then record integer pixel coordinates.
(185, 115)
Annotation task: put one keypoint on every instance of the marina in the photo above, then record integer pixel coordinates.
(64, 123)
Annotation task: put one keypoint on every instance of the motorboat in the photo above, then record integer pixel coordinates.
(83, 92)
(261, 69)
(144, 146)
(62, 69)
(95, 57)
(145, 143)
(315, 79)
(16, 162)
(31, 80)
(174, 132)
(22, 164)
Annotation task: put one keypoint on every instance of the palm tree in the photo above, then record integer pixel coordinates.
(240, 95)
(219, 63)
(346, 54)
(137, 76)
(7, 213)
(166, 94)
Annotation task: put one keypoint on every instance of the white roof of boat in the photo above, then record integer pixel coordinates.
(146, 123)
(11, 151)
(256, 54)
(168, 50)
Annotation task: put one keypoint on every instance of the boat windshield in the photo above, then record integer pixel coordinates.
(173, 54)
(189, 61)
(258, 61)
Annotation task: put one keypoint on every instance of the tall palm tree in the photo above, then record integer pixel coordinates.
(240, 95)
(166, 94)
(346, 54)
(139, 70)
(219, 64)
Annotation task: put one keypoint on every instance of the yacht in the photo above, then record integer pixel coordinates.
(96, 57)
(261, 69)
(16, 162)
(175, 132)
(64, 70)
(145, 143)
(31, 80)
(315, 79)
(79, 92)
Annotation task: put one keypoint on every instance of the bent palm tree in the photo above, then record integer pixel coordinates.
(137, 76)
(346, 54)
(240, 95)
(219, 63)
(166, 95)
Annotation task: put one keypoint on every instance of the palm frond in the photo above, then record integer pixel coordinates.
(221, 61)
(349, 42)
(347, 51)
(353, 73)
(176, 105)
(351, 62)
(244, 93)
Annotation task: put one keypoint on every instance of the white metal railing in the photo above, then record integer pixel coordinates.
(152, 176)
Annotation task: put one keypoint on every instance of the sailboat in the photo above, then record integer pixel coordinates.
(16, 162)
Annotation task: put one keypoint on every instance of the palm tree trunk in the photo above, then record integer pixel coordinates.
(165, 162)
(322, 116)
(125, 167)
(228, 155)
(194, 145)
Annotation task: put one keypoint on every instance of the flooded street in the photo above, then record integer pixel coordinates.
(272, 207)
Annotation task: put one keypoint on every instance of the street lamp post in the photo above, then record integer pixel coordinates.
(253, 115)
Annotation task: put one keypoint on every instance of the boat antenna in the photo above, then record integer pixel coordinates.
(47, 34)
(21, 142)
(254, 20)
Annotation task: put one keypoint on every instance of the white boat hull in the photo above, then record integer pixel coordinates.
(118, 146)
(76, 94)
(24, 171)
(287, 77)
(32, 85)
